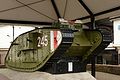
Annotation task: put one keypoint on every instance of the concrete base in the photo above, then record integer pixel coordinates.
(7, 74)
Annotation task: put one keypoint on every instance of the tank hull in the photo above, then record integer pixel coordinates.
(43, 48)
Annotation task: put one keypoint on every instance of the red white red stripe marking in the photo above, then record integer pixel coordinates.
(55, 39)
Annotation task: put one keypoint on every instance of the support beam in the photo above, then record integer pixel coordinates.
(92, 23)
(93, 66)
(85, 7)
(90, 12)
(13, 32)
(100, 13)
(107, 11)
(55, 8)
(93, 57)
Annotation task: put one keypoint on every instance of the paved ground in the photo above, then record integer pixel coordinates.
(2, 77)
(6, 74)
(15, 75)
(106, 76)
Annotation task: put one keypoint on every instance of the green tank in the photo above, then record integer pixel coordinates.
(41, 47)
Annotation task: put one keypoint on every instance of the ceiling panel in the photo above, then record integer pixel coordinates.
(24, 14)
(44, 10)
(75, 10)
(101, 5)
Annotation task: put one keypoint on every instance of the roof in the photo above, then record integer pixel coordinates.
(49, 11)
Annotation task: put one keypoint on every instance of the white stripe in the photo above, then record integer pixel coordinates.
(52, 41)
(70, 66)
(59, 37)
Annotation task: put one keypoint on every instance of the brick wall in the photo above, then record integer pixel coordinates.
(113, 69)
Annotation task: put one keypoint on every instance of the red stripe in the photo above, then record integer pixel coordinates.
(55, 39)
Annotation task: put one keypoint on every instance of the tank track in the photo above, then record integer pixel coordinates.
(106, 40)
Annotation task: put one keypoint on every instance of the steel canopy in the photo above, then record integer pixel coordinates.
(49, 11)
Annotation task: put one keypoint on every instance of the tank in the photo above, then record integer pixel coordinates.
(52, 48)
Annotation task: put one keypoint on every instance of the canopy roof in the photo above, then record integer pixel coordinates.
(48, 11)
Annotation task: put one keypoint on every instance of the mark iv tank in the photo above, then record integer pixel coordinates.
(56, 49)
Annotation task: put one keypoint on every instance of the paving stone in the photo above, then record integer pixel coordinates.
(15, 75)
